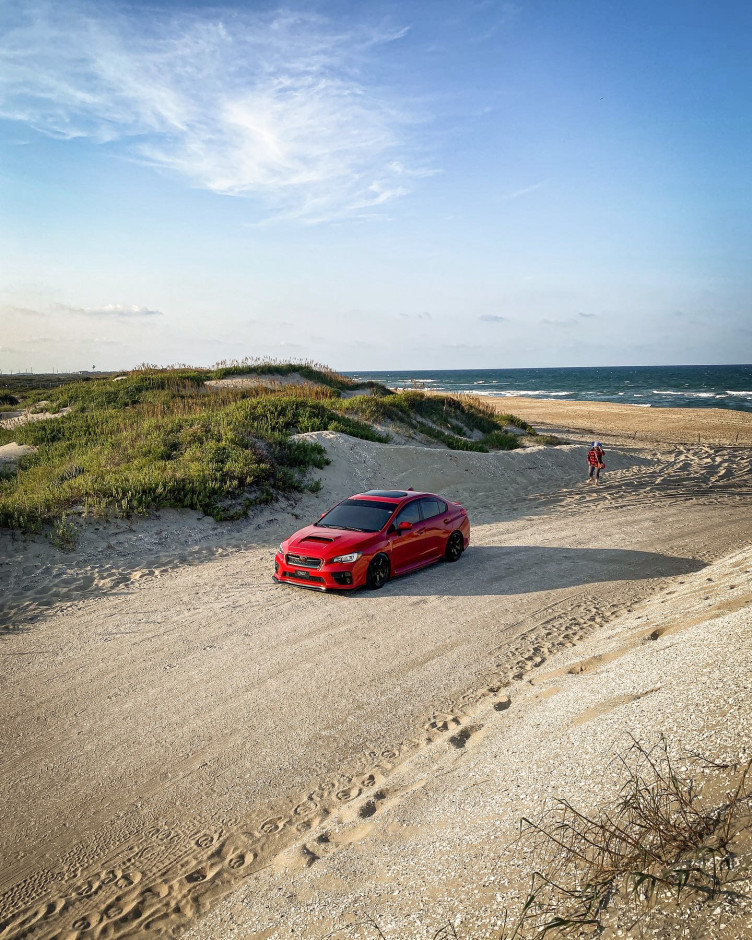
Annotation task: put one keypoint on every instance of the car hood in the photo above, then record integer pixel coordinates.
(319, 542)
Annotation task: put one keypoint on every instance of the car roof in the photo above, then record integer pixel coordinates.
(392, 496)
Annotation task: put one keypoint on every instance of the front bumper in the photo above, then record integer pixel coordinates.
(329, 577)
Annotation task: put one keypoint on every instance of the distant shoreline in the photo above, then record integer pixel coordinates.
(728, 387)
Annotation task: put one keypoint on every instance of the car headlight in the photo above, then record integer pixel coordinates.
(346, 559)
(282, 548)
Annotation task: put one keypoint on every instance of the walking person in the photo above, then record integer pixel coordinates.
(596, 461)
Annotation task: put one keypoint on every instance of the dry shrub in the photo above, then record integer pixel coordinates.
(662, 838)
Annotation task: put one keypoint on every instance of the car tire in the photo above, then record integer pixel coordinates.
(378, 572)
(455, 546)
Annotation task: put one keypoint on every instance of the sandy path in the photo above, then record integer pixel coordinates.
(162, 741)
(435, 847)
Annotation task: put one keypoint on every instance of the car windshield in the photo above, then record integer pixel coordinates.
(360, 515)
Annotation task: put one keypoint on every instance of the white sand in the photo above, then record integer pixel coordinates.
(9, 453)
(176, 728)
(608, 421)
(15, 419)
(256, 379)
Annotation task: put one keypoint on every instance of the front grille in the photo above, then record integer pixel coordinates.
(303, 561)
(303, 576)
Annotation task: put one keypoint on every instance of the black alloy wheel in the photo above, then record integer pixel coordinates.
(455, 547)
(378, 572)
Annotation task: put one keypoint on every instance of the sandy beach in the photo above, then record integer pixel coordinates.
(187, 748)
(633, 422)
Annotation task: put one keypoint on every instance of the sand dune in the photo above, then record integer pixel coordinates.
(257, 379)
(15, 419)
(175, 726)
(9, 453)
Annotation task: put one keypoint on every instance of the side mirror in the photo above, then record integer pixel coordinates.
(322, 515)
(404, 526)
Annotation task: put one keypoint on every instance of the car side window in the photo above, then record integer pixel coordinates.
(429, 508)
(409, 513)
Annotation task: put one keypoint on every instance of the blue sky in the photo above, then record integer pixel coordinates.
(375, 185)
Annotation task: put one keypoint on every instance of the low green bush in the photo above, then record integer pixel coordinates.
(160, 437)
(501, 440)
(550, 440)
(125, 450)
(452, 420)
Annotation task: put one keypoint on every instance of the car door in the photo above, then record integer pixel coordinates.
(407, 546)
(433, 510)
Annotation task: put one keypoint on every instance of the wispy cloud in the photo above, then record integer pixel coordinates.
(565, 324)
(491, 318)
(525, 191)
(12, 310)
(272, 105)
(120, 310)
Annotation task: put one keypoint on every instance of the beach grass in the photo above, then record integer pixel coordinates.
(162, 437)
(461, 423)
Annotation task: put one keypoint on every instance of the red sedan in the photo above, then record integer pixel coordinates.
(372, 536)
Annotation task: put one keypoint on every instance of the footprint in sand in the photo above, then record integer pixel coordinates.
(371, 805)
(347, 794)
(88, 888)
(240, 860)
(306, 807)
(442, 723)
(273, 825)
(460, 739)
(205, 840)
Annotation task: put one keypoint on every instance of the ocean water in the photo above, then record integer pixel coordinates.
(646, 386)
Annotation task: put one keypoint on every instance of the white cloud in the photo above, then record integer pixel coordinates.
(124, 311)
(120, 310)
(267, 105)
(491, 318)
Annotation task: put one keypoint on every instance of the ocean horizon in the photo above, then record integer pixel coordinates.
(709, 386)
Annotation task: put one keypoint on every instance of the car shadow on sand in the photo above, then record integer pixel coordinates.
(523, 569)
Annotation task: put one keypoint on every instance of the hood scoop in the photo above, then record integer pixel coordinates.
(316, 538)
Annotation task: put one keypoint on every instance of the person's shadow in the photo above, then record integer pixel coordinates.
(523, 569)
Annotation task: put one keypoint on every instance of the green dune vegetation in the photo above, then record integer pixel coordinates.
(181, 437)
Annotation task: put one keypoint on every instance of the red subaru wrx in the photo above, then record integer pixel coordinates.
(372, 536)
